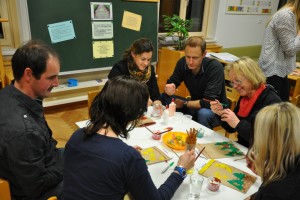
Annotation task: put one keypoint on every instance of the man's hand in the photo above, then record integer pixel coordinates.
(170, 89)
(179, 103)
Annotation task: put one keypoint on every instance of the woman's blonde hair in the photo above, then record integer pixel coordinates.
(276, 141)
(248, 68)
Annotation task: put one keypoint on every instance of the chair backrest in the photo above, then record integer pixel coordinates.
(232, 95)
(297, 101)
(296, 91)
(91, 95)
(4, 190)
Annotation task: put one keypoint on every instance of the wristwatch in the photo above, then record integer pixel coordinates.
(185, 103)
(181, 170)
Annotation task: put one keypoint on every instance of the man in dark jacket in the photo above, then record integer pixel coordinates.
(29, 159)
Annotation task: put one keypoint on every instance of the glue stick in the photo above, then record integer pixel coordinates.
(172, 108)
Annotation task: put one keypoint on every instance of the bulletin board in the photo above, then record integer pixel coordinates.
(76, 53)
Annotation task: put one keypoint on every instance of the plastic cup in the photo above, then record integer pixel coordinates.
(200, 133)
(196, 181)
(187, 118)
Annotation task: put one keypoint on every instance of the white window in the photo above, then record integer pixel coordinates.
(197, 10)
(9, 34)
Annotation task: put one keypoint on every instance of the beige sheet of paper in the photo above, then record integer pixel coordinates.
(132, 21)
(214, 151)
(103, 49)
(154, 155)
(230, 176)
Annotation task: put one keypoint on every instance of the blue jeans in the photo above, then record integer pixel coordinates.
(207, 118)
(203, 116)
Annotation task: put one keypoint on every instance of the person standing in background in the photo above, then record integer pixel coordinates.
(136, 63)
(29, 159)
(281, 42)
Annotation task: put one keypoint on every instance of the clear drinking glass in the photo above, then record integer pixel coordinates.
(196, 181)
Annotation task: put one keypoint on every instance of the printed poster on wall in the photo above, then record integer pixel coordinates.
(250, 7)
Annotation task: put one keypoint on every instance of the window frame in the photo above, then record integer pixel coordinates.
(8, 11)
(182, 14)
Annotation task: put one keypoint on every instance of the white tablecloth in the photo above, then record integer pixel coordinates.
(142, 137)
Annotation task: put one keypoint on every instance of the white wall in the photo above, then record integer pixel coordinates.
(236, 30)
(226, 30)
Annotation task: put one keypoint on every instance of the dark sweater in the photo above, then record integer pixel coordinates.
(208, 84)
(285, 189)
(121, 68)
(101, 167)
(245, 127)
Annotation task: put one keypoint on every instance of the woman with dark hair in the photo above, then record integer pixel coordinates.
(136, 63)
(98, 165)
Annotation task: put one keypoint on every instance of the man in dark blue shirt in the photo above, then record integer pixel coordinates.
(203, 77)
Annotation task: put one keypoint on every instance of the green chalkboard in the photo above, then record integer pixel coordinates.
(77, 54)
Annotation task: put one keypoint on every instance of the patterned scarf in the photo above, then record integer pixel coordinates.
(247, 103)
(141, 75)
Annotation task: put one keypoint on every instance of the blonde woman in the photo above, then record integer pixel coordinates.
(276, 152)
(248, 79)
(281, 42)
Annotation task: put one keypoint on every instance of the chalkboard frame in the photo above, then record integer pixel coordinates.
(76, 55)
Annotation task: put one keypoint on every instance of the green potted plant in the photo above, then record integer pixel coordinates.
(175, 26)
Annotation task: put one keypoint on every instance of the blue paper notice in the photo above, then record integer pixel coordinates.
(61, 31)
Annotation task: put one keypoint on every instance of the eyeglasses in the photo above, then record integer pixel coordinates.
(235, 82)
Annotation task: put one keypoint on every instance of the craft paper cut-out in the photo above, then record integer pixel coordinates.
(154, 155)
(230, 176)
(145, 121)
(220, 150)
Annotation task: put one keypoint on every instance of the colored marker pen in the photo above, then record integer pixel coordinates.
(170, 165)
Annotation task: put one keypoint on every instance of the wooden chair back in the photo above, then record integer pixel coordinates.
(91, 95)
(296, 91)
(4, 190)
(233, 96)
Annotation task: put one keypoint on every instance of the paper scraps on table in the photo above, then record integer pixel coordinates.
(217, 150)
(145, 121)
(154, 155)
(230, 176)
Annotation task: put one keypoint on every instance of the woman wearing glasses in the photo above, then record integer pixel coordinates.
(248, 79)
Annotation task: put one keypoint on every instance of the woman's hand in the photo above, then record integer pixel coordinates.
(229, 116)
(187, 160)
(216, 107)
(138, 148)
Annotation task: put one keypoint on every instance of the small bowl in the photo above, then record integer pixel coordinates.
(156, 136)
(213, 184)
(200, 133)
